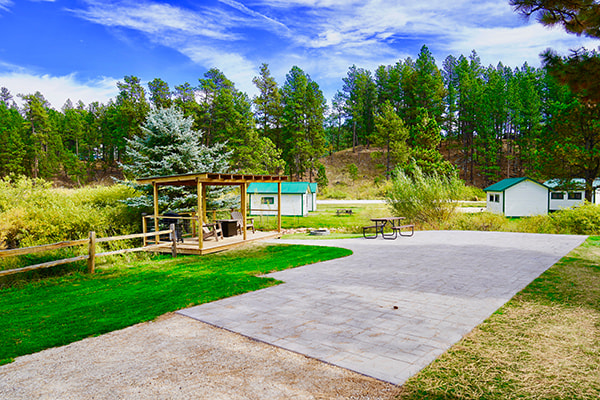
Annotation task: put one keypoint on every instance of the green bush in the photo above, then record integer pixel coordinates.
(484, 221)
(428, 200)
(583, 220)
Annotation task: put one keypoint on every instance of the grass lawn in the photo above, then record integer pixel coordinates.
(326, 217)
(543, 344)
(57, 311)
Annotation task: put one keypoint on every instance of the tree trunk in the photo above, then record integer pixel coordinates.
(354, 137)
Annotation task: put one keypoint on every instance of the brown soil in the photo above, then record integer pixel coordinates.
(176, 357)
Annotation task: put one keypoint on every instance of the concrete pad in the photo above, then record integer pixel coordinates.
(393, 306)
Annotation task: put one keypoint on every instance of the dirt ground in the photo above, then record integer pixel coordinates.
(175, 357)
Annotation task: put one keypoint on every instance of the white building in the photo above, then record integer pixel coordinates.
(296, 199)
(313, 196)
(517, 197)
(564, 195)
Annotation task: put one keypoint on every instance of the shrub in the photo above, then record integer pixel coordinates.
(582, 220)
(424, 199)
(484, 221)
(353, 171)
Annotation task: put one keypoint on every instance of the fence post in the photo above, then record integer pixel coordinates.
(174, 241)
(144, 228)
(92, 253)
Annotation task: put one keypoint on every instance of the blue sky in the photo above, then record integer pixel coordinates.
(79, 49)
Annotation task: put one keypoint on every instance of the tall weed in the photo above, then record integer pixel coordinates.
(33, 213)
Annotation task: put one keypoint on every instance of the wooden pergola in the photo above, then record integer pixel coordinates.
(201, 181)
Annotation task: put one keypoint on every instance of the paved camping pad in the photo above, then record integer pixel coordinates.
(393, 306)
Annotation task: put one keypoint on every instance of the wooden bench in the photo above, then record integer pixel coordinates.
(398, 229)
(347, 211)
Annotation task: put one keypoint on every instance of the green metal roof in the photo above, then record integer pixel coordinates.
(286, 188)
(313, 187)
(507, 183)
(573, 184)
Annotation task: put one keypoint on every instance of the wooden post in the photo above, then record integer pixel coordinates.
(243, 207)
(155, 192)
(199, 213)
(173, 241)
(92, 253)
(193, 222)
(279, 206)
(204, 210)
(144, 228)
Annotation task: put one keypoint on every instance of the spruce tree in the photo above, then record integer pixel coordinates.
(169, 146)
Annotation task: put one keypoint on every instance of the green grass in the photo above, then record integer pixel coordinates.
(325, 217)
(543, 344)
(60, 310)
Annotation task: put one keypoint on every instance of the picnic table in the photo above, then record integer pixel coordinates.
(343, 211)
(394, 225)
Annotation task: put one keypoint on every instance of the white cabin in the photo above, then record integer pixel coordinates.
(570, 194)
(296, 199)
(517, 197)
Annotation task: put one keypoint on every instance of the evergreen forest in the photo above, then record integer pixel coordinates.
(486, 122)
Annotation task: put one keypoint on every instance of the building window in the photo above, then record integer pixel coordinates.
(267, 200)
(557, 195)
(575, 196)
(495, 198)
(491, 198)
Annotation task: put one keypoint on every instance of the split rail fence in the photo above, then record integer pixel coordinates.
(91, 241)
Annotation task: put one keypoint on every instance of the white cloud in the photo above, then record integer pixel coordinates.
(5, 4)
(157, 19)
(325, 37)
(57, 89)
(235, 66)
(514, 46)
(261, 17)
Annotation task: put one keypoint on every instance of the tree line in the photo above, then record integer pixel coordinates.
(498, 121)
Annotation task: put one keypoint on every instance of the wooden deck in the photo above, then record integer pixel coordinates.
(190, 245)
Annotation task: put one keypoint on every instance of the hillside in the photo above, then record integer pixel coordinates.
(367, 183)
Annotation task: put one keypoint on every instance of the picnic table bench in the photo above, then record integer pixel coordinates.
(381, 223)
(347, 211)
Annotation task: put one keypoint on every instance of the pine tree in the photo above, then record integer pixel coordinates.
(392, 135)
(581, 70)
(160, 94)
(169, 146)
(125, 116)
(12, 148)
(359, 92)
(426, 89)
(424, 141)
(302, 123)
(268, 106)
(41, 141)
